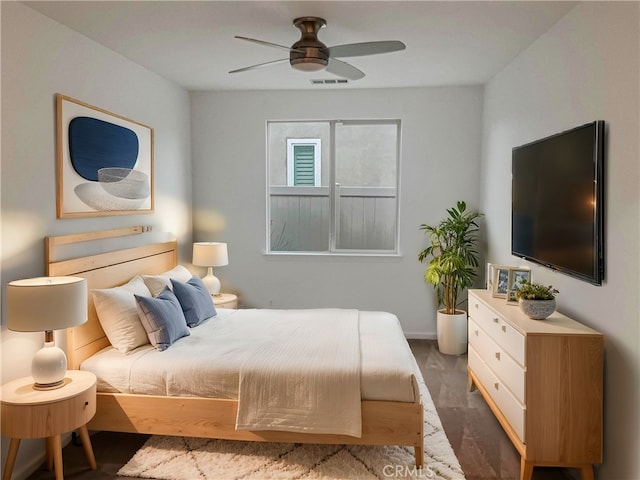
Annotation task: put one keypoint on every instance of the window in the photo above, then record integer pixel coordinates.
(333, 186)
(303, 162)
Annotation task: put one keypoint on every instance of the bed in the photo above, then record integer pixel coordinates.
(388, 416)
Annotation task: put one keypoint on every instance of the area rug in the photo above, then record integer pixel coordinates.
(183, 458)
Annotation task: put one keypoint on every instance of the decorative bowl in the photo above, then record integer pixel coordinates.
(537, 309)
(124, 182)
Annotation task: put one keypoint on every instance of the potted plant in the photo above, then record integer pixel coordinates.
(453, 260)
(536, 301)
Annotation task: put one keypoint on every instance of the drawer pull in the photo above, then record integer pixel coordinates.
(504, 328)
(477, 332)
(496, 385)
(498, 355)
(496, 320)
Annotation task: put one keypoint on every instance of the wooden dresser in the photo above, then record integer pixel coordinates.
(542, 379)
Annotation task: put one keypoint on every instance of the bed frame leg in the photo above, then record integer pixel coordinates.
(419, 451)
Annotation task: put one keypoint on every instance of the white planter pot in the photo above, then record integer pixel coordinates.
(452, 332)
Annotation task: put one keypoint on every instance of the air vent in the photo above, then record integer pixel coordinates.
(330, 81)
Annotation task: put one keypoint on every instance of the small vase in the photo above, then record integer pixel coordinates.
(537, 309)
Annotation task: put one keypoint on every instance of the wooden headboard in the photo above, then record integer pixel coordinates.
(104, 270)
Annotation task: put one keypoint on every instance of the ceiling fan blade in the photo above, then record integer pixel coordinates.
(366, 48)
(259, 65)
(269, 44)
(343, 69)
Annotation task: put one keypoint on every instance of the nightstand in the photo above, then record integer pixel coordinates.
(31, 413)
(225, 300)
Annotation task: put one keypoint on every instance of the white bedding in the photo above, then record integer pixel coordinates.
(304, 376)
(206, 363)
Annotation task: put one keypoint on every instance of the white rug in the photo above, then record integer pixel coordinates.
(182, 458)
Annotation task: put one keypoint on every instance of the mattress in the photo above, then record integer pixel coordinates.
(207, 362)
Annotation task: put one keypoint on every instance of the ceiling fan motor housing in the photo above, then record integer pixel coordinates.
(309, 54)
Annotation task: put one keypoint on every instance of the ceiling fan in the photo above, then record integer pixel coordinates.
(310, 55)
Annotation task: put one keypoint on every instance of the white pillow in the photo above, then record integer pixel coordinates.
(156, 283)
(118, 314)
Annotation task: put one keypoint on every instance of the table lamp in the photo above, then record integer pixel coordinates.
(47, 304)
(210, 254)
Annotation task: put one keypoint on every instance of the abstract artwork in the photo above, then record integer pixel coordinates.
(104, 162)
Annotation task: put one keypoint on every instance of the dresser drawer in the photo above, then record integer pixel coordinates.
(512, 410)
(506, 369)
(498, 329)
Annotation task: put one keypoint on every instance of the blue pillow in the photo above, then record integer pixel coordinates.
(162, 318)
(194, 299)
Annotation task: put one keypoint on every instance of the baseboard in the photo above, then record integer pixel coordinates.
(420, 336)
(23, 470)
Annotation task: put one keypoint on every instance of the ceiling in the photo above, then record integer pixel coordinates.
(192, 43)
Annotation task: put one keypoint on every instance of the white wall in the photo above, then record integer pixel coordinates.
(39, 59)
(585, 68)
(440, 164)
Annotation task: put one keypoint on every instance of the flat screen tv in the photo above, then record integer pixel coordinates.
(558, 202)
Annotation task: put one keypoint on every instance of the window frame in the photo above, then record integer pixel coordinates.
(332, 187)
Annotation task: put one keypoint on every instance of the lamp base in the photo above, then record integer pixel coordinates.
(48, 386)
(211, 282)
(49, 367)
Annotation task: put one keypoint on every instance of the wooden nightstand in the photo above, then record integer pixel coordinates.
(225, 300)
(31, 413)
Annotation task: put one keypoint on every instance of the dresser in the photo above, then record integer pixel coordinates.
(543, 380)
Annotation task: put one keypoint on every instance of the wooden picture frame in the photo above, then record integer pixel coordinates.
(104, 162)
(489, 276)
(500, 281)
(515, 276)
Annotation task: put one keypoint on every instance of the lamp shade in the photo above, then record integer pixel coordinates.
(210, 254)
(46, 303)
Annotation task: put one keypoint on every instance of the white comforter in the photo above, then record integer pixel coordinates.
(207, 363)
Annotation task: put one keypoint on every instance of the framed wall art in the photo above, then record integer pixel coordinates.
(104, 162)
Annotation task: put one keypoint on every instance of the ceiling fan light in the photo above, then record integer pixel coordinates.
(308, 64)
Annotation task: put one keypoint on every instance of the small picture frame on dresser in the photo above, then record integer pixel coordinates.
(516, 276)
(489, 274)
(500, 281)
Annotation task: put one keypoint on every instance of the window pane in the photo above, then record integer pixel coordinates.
(299, 212)
(366, 154)
(277, 135)
(299, 222)
(366, 170)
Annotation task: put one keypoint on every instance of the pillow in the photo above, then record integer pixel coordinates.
(155, 283)
(118, 314)
(162, 318)
(195, 300)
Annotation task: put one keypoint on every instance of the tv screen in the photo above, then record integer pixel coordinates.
(557, 202)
